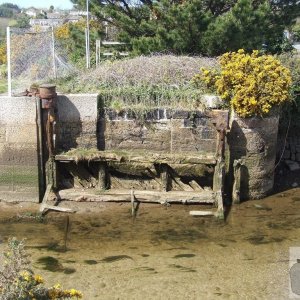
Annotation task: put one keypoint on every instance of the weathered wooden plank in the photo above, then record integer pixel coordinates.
(165, 178)
(183, 186)
(46, 196)
(195, 186)
(130, 156)
(218, 185)
(236, 189)
(141, 196)
(201, 213)
(58, 208)
(102, 176)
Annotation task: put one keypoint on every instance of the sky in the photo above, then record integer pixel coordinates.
(63, 4)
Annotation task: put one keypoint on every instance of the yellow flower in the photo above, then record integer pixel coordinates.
(252, 84)
(25, 275)
(38, 279)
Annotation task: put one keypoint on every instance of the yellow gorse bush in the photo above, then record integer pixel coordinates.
(251, 83)
(2, 54)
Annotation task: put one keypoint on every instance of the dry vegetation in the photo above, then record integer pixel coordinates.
(143, 82)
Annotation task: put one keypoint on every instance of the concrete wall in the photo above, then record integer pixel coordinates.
(18, 149)
(77, 121)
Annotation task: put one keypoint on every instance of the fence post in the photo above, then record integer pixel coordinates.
(8, 61)
(53, 54)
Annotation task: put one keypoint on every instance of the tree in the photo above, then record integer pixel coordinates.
(197, 26)
(8, 10)
(51, 8)
(23, 21)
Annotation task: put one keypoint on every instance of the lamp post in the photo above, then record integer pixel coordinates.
(87, 37)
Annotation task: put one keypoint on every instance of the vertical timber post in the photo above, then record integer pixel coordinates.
(218, 186)
(41, 160)
(236, 189)
(102, 176)
(164, 177)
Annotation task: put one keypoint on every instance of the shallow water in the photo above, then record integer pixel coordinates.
(163, 253)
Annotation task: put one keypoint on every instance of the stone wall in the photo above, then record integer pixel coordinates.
(19, 180)
(160, 130)
(288, 146)
(254, 141)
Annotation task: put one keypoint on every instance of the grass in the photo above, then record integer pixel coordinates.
(3, 86)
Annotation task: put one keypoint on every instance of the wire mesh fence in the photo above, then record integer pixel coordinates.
(36, 57)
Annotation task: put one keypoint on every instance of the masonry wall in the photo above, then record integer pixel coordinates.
(160, 130)
(253, 141)
(19, 178)
(289, 143)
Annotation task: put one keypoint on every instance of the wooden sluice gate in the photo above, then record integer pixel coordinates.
(144, 176)
(135, 174)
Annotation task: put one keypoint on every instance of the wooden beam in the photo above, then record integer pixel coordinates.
(131, 156)
(45, 198)
(195, 186)
(201, 213)
(236, 189)
(102, 176)
(140, 196)
(165, 177)
(218, 185)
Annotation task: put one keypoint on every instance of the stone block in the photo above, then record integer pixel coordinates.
(286, 154)
(292, 165)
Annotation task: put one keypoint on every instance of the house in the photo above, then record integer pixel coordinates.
(31, 12)
(73, 18)
(46, 22)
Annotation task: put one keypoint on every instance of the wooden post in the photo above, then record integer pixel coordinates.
(102, 176)
(218, 185)
(236, 189)
(132, 203)
(164, 177)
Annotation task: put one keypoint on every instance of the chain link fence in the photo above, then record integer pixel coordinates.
(35, 57)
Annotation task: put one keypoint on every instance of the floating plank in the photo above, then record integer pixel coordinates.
(201, 213)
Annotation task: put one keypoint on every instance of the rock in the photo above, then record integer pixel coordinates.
(292, 165)
(295, 184)
(211, 101)
(293, 157)
(298, 157)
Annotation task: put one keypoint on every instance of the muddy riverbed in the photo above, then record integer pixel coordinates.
(163, 253)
